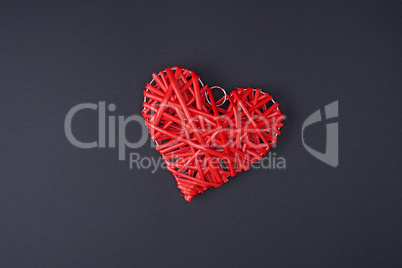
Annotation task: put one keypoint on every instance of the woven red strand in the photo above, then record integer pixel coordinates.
(203, 144)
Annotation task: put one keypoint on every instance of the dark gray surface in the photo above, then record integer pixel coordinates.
(61, 206)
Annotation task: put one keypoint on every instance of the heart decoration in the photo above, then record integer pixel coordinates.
(201, 142)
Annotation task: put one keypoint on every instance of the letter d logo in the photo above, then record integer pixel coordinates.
(331, 156)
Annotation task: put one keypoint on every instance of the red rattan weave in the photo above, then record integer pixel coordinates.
(201, 143)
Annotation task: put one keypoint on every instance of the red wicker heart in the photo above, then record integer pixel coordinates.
(201, 143)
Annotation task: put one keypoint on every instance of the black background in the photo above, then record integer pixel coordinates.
(61, 206)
